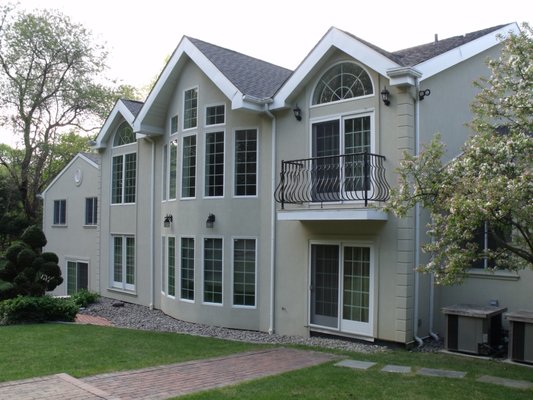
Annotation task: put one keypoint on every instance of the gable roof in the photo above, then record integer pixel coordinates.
(402, 67)
(123, 110)
(91, 159)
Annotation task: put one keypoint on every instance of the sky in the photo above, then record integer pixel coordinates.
(141, 34)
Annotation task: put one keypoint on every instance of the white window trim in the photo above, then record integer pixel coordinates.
(59, 224)
(195, 167)
(165, 266)
(234, 195)
(164, 173)
(123, 155)
(162, 263)
(223, 166)
(173, 138)
(326, 69)
(205, 114)
(221, 304)
(85, 224)
(233, 238)
(194, 271)
(122, 285)
(197, 109)
(177, 124)
(77, 260)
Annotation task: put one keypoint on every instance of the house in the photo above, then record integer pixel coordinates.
(245, 195)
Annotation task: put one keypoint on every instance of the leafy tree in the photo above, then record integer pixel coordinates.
(489, 184)
(25, 270)
(50, 81)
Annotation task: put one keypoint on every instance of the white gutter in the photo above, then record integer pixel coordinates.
(417, 222)
(272, 223)
(152, 219)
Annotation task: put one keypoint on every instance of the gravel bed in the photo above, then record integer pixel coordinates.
(139, 317)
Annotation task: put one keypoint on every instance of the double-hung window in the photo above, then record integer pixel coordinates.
(188, 167)
(245, 162)
(91, 210)
(190, 109)
(124, 175)
(244, 272)
(214, 164)
(213, 269)
(123, 257)
(60, 212)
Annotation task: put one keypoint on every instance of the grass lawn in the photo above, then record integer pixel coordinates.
(28, 351)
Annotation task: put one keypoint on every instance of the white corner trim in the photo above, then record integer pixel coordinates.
(333, 215)
(452, 57)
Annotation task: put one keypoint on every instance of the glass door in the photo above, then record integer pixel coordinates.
(325, 285)
(325, 170)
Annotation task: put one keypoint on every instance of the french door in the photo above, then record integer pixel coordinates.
(341, 295)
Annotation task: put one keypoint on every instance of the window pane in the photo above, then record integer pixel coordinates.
(71, 278)
(342, 81)
(91, 210)
(130, 177)
(187, 268)
(214, 164)
(244, 272)
(83, 276)
(60, 212)
(188, 174)
(130, 261)
(117, 259)
(171, 264)
(174, 124)
(190, 109)
(164, 172)
(214, 115)
(213, 270)
(173, 169)
(116, 185)
(124, 135)
(246, 162)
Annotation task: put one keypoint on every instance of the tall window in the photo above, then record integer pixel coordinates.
(190, 109)
(214, 164)
(173, 169)
(124, 135)
(91, 210)
(215, 115)
(171, 265)
(342, 81)
(174, 124)
(164, 174)
(60, 212)
(244, 265)
(246, 162)
(77, 276)
(213, 265)
(187, 269)
(188, 172)
(124, 262)
(124, 178)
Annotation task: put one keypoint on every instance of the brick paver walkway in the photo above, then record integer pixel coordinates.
(92, 320)
(165, 381)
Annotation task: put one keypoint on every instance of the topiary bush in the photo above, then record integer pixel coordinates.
(37, 309)
(25, 270)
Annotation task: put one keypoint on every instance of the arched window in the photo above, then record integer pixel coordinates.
(124, 135)
(342, 81)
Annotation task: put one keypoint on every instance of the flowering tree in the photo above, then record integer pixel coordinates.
(490, 184)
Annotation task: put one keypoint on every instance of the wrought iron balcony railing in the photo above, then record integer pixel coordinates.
(349, 177)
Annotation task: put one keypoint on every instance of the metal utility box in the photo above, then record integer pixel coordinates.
(521, 336)
(473, 329)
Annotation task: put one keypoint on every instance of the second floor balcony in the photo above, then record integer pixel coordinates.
(356, 177)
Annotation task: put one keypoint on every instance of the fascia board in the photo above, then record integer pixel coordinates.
(453, 57)
(342, 41)
(185, 47)
(120, 108)
(62, 172)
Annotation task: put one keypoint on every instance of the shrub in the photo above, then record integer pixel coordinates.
(37, 309)
(84, 297)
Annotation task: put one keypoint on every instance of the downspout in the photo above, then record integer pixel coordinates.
(417, 222)
(152, 219)
(272, 223)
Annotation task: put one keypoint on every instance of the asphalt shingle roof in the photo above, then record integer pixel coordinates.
(93, 157)
(133, 105)
(250, 75)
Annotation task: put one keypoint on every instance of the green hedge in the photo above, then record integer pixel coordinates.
(84, 297)
(37, 309)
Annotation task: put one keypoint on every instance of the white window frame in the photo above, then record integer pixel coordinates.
(94, 207)
(195, 265)
(182, 197)
(77, 261)
(167, 266)
(235, 195)
(61, 210)
(205, 196)
(164, 173)
(197, 108)
(163, 269)
(233, 239)
(221, 304)
(172, 132)
(206, 116)
(173, 141)
(122, 285)
(123, 192)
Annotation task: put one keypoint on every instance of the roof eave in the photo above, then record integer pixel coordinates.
(103, 135)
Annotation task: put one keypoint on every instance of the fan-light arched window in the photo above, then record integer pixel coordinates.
(124, 135)
(341, 82)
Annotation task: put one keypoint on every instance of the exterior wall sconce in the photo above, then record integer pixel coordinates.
(385, 96)
(167, 221)
(297, 113)
(210, 221)
(423, 93)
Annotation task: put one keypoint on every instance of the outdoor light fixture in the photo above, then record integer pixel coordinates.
(385, 96)
(210, 221)
(297, 113)
(423, 93)
(167, 221)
